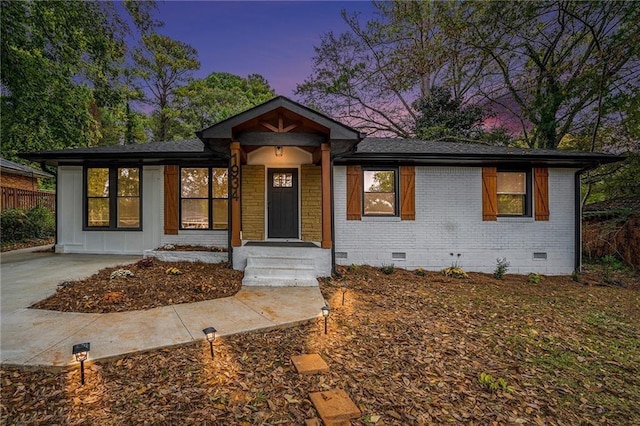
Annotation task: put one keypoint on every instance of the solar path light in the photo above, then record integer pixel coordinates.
(81, 353)
(210, 332)
(326, 310)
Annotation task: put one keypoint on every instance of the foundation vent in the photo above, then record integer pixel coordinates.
(399, 255)
(540, 255)
(341, 255)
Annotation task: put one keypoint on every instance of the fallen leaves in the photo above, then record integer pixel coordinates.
(408, 349)
(144, 286)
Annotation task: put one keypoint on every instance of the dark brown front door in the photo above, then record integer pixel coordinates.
(282, 202)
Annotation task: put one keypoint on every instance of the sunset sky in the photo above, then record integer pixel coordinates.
(274, 39)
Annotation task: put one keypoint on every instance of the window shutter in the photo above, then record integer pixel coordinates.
(489, 193)
(354, 193)
(408, 193)
(171, 200)
(541, 190)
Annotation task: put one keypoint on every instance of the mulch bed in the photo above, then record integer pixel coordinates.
(149, 287)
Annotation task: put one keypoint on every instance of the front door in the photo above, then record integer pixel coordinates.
(282, 203)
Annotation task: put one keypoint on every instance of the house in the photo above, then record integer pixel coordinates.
(286, 183)
(19, 185)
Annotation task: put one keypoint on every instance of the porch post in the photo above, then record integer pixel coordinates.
(326, 195)
(234, 175)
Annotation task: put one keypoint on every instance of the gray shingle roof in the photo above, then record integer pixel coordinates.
(7, 166)
(415, 146)
(191, 145)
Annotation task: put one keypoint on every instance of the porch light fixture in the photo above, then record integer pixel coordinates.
(210, 332)
(326, 310)
(81, 353)
(279, 150)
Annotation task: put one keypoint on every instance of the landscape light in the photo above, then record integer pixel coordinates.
(326, 310)
(344, 290)
(210, 332)
(81, 353)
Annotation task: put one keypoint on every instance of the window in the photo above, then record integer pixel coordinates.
(380, 192)
(204, 198)
(113, 198)
(514, 192)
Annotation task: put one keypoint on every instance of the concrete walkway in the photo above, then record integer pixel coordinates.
(44, 338)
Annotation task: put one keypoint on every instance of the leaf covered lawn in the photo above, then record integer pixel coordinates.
(408, 349)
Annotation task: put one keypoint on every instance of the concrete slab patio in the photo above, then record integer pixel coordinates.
(33, 337)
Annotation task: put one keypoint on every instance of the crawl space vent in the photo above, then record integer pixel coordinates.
(341, 255)
(540, 255)
(399, 256)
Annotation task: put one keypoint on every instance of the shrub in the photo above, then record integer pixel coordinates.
(535, 278)
(144, 263)
(388, 269)
(173, 271)
(353, 268)
(501, 268)
(120, 273)
(21, 225)
(421, 272)
(488, 382)
(455, 272)
(43, 222)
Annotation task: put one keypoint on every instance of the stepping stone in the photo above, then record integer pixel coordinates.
(309, 364)
(335, 407)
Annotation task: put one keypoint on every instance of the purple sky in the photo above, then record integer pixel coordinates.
(274, 39)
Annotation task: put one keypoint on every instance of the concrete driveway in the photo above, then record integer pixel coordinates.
(39, 337)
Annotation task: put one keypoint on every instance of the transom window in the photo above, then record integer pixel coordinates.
(514, 191)
(380, 192)
(204, 198)
(113, 198)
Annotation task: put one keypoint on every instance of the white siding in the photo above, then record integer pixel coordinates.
(449, 227)
(72, 238)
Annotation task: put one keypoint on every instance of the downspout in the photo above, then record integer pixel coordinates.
(578, 216)
(334, 270)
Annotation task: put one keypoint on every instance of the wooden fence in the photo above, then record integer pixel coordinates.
(13, 198)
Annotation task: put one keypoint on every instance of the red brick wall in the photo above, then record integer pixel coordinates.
(17, 181)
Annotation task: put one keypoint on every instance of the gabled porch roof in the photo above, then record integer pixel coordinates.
(280, 122)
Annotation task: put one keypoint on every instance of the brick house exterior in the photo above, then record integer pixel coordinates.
(19, 185)
(285, 177)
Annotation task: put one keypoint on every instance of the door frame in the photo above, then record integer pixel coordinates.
(266, 199)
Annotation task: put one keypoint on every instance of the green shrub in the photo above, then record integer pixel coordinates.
(501, 268)
(388, 269)
(43, 222)
(535, 278)
(488, 382)
(421, 272)
(21, 225)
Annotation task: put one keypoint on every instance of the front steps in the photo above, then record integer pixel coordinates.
(280, 271)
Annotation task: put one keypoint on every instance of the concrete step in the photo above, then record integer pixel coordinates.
(280, 271)
(279, 261)
(276, 271)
